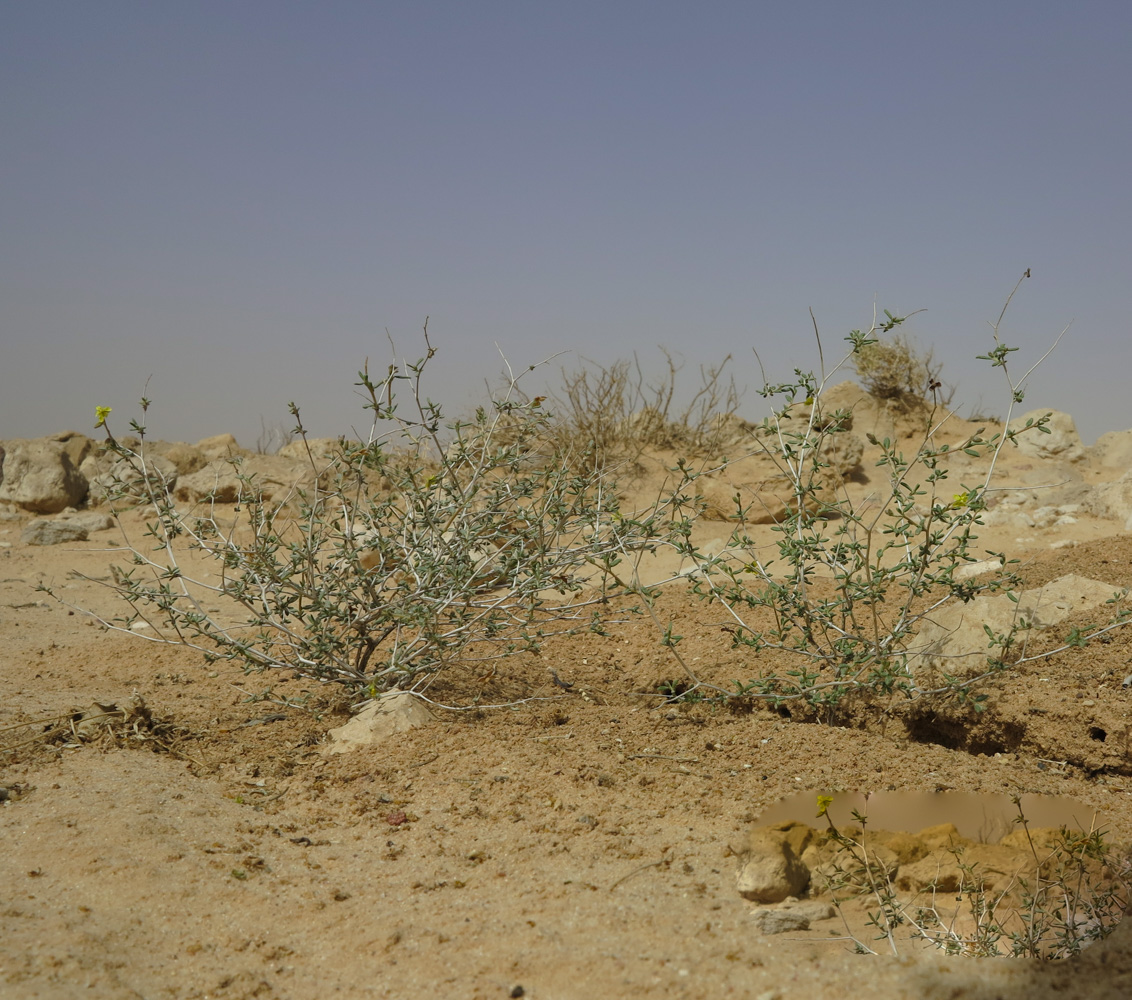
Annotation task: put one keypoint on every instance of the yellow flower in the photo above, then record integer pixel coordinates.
(824, 802)
(959, 500)
(101, 413)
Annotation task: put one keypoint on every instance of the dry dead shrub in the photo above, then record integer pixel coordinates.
(108, 725)
(609, 415)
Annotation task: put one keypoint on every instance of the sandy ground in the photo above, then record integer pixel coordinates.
(579, 844)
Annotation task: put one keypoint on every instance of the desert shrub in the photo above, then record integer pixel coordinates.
(429, 543)
(1074, 893)
(891, 369)
(896, 372)
(593, 404)
(835, 605)
(609, 415)
(271, 438)
(435, 542)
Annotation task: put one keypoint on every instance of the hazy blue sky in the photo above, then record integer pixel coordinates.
(239, 199)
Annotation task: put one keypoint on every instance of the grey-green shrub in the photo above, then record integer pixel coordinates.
(843, 591)
(430, 543)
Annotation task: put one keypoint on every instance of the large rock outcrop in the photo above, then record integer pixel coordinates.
(1112, 500)
(1062, 443)
(41, 476)
(1113, 449)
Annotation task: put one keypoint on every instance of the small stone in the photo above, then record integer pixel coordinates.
(775, 921)
(811, 909)
(771, 869)
(91, 520)
(44, 532)
(394, 712)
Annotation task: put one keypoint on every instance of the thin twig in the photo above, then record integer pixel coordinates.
(637, 871)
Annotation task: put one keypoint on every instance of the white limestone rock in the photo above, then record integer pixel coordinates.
(394, 712)
(1062, 442)
(772, 867)
(41, 477)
